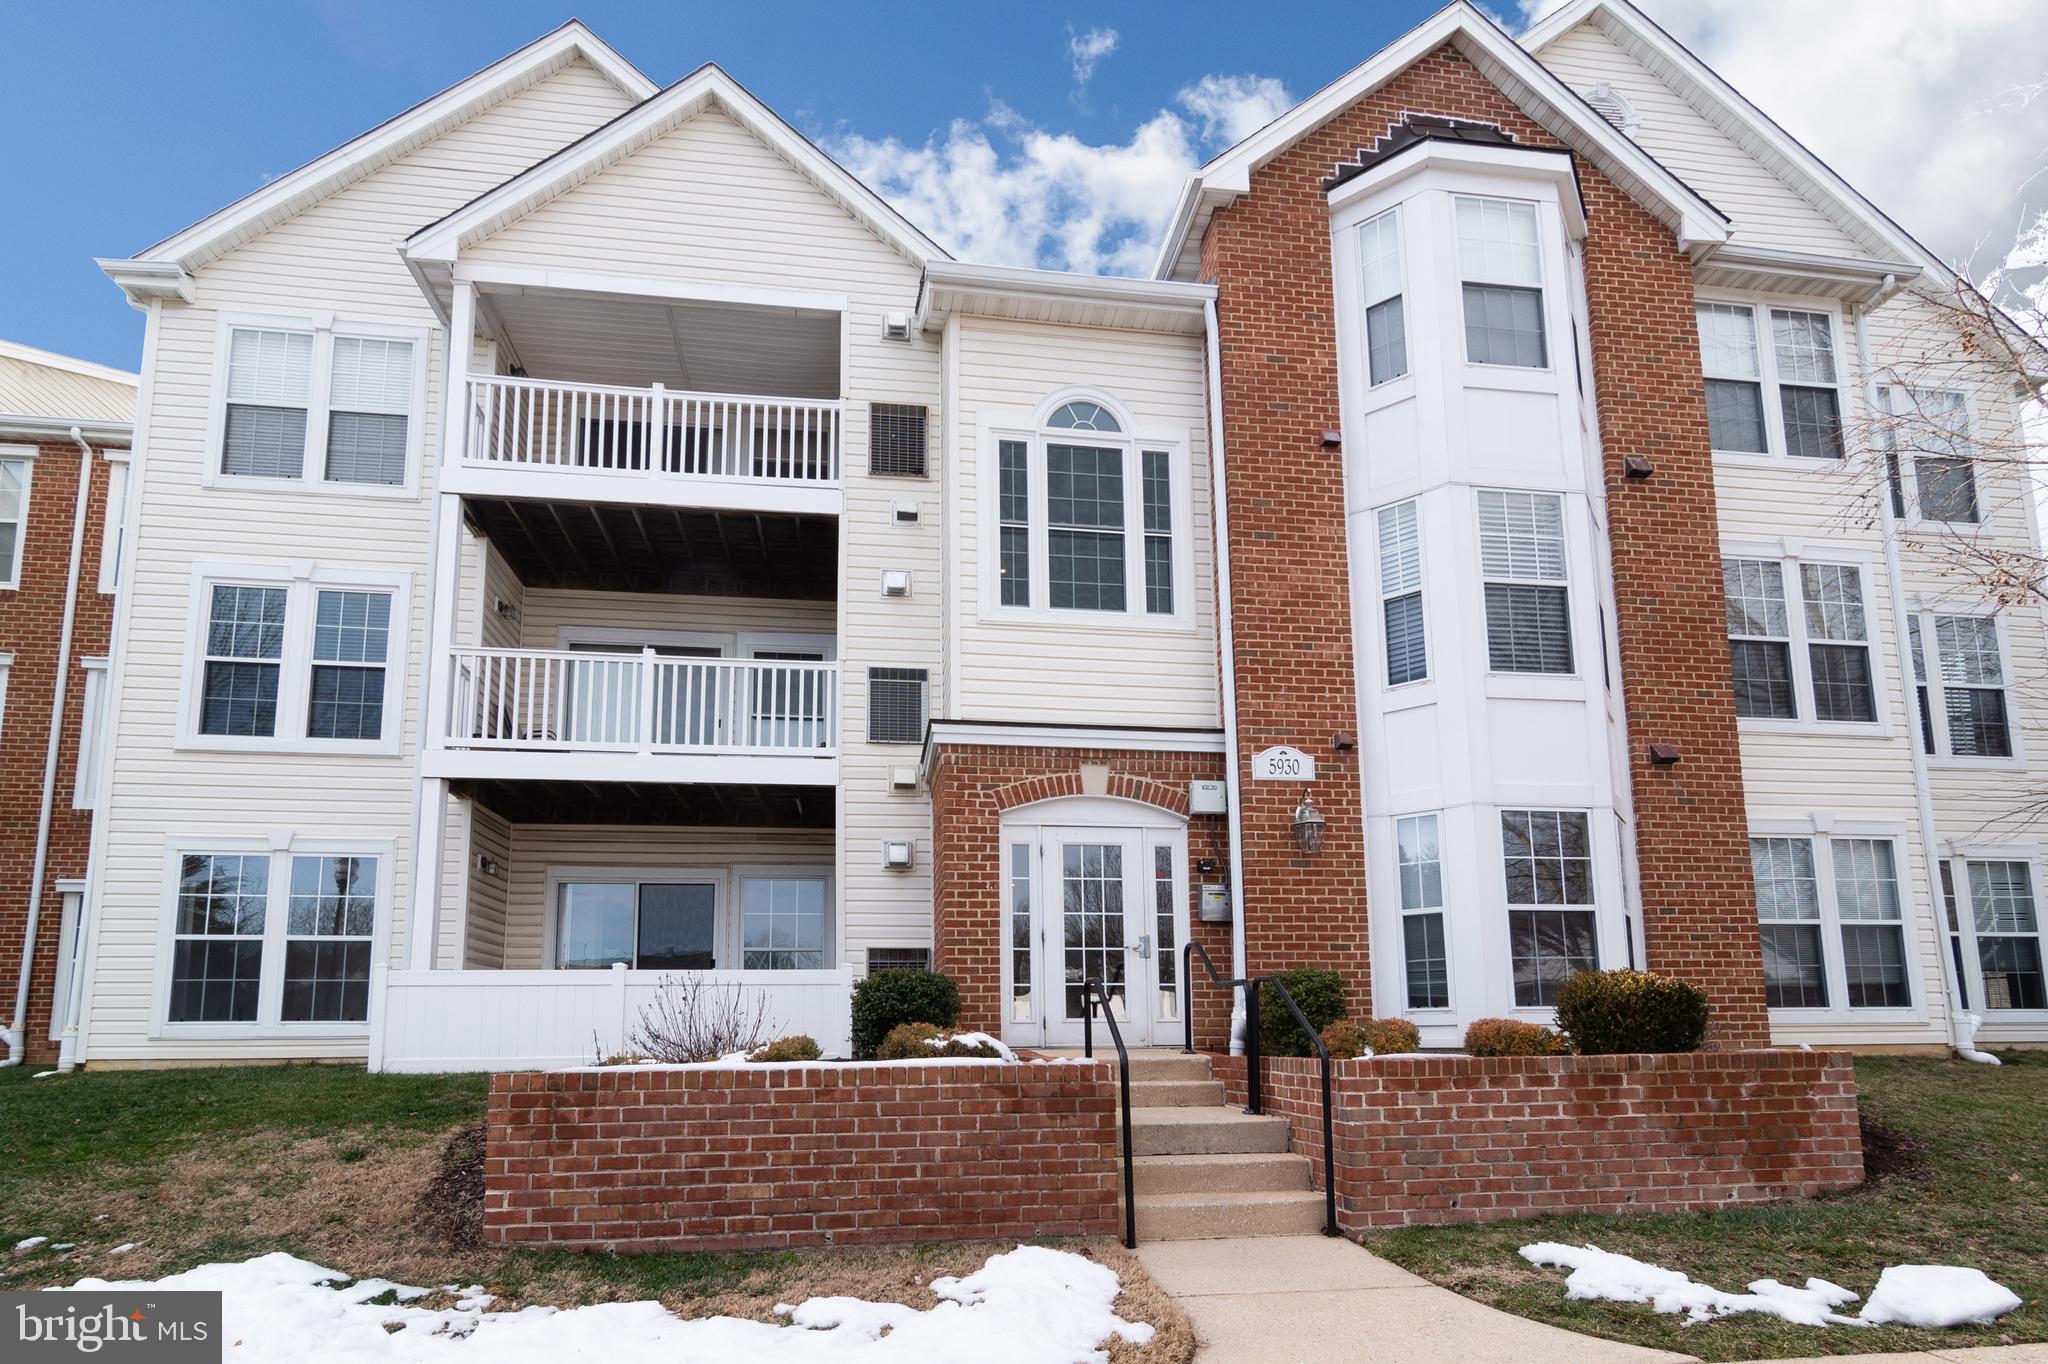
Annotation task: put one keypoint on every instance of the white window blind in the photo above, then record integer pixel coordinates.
(270, 384)
(368, 402)
(1401, 594)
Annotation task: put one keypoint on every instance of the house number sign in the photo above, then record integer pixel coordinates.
(1282, 763)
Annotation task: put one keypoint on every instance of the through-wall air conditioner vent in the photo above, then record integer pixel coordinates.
(1613, 106)
(896, 327)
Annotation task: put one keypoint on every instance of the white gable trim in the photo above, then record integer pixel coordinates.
(163, 270)
(1527, 82)
(706, 87)
(14, 350)
(1748, 126)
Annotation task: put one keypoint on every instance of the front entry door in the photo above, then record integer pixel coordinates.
(1098, 903)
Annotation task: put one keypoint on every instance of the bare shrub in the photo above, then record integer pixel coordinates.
(690, 1021)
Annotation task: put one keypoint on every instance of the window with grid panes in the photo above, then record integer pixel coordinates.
(1548, 860)
(1788, 906)
(1872, 924)
(1972, 686)
(244, 659)
(1426, 958)
(1759, 638)
(1838, 648)
(2008, 932)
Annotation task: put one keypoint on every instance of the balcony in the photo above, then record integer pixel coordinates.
(645, 715)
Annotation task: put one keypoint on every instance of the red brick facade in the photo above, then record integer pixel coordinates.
(1423, 1140)
(1269, 256)
(31, 620)
(735, 1158)
(972, 785)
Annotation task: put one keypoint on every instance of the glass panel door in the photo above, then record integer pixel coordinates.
(1098, 897)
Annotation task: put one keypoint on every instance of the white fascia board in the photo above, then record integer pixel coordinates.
(14, 350)
(949, 283)
(1695, 81)
(291, 193)
(443, 240)
(1559, 108)
(22, 426)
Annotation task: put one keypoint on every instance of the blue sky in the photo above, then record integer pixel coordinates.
(975, 117)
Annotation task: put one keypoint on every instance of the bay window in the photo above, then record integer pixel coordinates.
(1772, 382)
(1500, 262)
(1426, 957)
(1528, 602)
(1386, 324)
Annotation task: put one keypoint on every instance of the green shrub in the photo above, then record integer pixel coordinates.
(1320, 993)
(884, 999)
(915, 1042)
(797, 1048)
(1511, 1037)
(1382, 1036)
(1602, 1013)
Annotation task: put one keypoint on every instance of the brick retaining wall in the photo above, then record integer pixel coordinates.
(733, 1158)
(1429, 1139)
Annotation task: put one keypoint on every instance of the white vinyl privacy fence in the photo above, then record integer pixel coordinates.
(426, 1021)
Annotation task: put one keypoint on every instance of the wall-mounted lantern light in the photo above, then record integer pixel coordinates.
(1308, 825)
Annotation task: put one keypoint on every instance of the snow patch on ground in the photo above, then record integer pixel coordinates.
(1911, 1295)
(974, 1039)
(29, 1244)
(1032, 1305)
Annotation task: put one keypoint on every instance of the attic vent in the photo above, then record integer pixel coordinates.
(1613, 106)
(896, 439)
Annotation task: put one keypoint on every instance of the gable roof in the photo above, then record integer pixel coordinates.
(1518, 75)
(1749, 127)
(163, 270)
(45, 394)
(709, 86)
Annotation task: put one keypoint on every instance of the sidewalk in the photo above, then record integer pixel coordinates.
(1325, 1300)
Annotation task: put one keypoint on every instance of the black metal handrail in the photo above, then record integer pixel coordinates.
(1254, 1061)
(1091, 992)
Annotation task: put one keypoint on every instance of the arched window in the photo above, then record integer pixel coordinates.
(1087, 518)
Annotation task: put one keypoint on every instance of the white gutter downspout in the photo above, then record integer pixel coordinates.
(1962, 1025)
(1227, 653)
(17, 1030)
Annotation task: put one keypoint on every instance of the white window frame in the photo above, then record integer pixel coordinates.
(114, 523)
(1957, 859)
(323, 327)
(1134, 440)
(6, 668)
(1542, 286)
(1908, 461)
(1511, 676)
(71, 917)
(1419, 589)
(25, 455)
(92, 733)
(725, 877)
(1390, 217)
(1438, 1013)
(302, 583)
(1789, 557)
(1821, 833)
(1774, 455)
(1929, 659)
(280, 848)
(1598, 909)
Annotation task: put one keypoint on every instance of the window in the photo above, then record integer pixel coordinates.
(92, 725)
(262, 939)
(1549, 866)
(1838, 649)
(1379, 268)
(310, 405)
(1501, 263)
(898, 440)
(1422, 912)
(1528, 607)
(1918, 648)
(2007, 929)
(14, 480)
(782, 923)
(113, 530)
(1401, 594)
(1833, 926)
(652, 925)
(896, 705)
(281, 661)
(1083, 519)
(1931, 427)
(1759, 639)
(1018, 874)
(1972, 672)
(1166, 940)
(1782, 397)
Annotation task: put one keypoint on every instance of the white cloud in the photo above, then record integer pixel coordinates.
(1088, 49)
(1002, 190)
(1918, 103)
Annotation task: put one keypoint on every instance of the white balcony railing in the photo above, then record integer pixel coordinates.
(552, 701)
(655, 433)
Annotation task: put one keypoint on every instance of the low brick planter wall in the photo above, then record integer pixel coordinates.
(1429, 1139)
(749, 1157)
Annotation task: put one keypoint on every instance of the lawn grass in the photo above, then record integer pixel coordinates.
(332, 1164)
(1980, 1198)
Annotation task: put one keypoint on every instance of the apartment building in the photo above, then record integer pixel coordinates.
(65, 426)
(582, 534)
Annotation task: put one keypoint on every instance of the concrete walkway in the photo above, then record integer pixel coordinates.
(1326, 1300)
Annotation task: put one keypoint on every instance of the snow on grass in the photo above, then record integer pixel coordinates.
(1029, 1306)
(1911, 1295)
(1936, 1296)
(122, 1249)
(973, 1039)
(29, 1244)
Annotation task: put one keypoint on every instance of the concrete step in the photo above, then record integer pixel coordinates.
(1156, 1065)
(1258, 1172)
(1204, 1216)
(1147, 1092)
(1204, 1131)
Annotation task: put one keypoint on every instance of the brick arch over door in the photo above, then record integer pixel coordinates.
(1122, 786)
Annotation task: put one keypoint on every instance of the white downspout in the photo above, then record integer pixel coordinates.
(1227, 655)
(17, 1030)
(1962, 1025)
